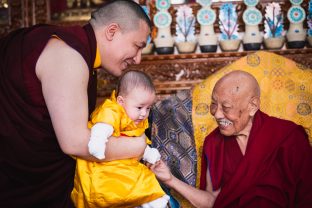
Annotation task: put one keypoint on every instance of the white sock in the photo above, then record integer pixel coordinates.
(157, 203)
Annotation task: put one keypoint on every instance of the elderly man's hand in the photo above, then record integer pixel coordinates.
(161, 171)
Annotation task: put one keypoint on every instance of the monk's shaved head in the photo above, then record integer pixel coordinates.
(125, 13)
(239, 83)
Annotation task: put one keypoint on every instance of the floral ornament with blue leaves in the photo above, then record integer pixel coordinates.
(228, 22)
(309, 18)
(185, 26)
(273, 21)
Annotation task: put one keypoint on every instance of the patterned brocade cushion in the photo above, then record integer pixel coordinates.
(172, 135)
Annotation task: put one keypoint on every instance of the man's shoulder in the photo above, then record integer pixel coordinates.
(276, 121)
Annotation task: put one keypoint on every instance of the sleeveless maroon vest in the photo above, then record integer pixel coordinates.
(34, 172)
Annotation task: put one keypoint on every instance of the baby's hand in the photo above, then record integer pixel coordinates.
(151, 155)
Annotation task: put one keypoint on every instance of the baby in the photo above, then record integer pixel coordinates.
(127, 182)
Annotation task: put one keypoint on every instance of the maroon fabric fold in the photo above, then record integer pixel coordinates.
(274, 172)
(34, 172)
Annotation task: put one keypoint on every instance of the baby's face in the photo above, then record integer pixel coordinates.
(138, 103)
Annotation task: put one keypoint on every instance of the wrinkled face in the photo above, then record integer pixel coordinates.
(125, 49)
(137, 104)
(231, 111)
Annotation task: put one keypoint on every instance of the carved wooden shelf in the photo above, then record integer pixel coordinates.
(181, 71)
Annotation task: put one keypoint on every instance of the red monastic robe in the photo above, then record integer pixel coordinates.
(276, 170)
(34, 172)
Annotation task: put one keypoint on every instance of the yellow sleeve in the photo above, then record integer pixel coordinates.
(107, 113)
(148, 141)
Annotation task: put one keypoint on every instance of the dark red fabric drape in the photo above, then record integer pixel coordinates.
(34, 172)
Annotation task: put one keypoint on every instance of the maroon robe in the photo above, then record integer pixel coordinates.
(276, 170)
(34, 172)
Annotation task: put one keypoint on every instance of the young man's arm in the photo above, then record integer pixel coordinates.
(64, 77)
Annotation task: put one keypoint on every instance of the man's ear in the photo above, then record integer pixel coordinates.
(120, 100)
(254, 105)
(111, 30)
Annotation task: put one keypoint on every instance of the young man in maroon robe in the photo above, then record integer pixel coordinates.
(256, 160)
(47, 91)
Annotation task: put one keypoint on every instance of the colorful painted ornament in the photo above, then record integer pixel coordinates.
(296, 2)
(204, 3)
(252, 16)
(296, 14)
(162, 19)
(251, 3)
(206, 16)
(163, 4)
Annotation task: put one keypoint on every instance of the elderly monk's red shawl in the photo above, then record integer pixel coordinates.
(34, 172)
(276, 170)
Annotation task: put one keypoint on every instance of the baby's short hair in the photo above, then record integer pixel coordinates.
(134, 79)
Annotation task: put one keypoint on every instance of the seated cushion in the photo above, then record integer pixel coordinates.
(172, 135)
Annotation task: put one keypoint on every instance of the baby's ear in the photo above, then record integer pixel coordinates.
(120, 100)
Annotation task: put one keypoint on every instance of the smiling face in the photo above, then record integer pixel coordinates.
(123, 48)
(137, 103)
(234, 102)
(230, 111)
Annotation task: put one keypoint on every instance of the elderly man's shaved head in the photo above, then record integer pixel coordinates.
(235, 100)
(239, 83)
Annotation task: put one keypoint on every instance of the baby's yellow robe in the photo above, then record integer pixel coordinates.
(120, 183)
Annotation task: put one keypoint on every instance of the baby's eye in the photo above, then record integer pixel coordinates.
(139, 108)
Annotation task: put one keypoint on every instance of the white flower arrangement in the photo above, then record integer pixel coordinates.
(228, 22)
(185, 24)
(273, 24)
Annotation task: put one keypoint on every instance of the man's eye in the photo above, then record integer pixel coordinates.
(213, 105)
(226, 108)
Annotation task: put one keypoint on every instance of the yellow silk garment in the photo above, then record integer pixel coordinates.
(119, 183)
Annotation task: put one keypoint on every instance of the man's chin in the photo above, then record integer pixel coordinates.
(115, 72)
(225, 132)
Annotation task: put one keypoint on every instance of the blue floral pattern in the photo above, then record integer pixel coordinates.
(204, 3)
(228, 22)
(252, 16)
(251, 2)
(296, 2)
(296, 14)
(162, 4)
(206, 16)
(162, 19)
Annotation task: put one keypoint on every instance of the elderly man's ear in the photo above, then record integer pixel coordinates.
(254, 105)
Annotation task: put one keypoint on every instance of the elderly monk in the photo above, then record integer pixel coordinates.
(256, 160)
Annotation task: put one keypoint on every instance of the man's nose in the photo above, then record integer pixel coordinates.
(218, 113)
(137, 58)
